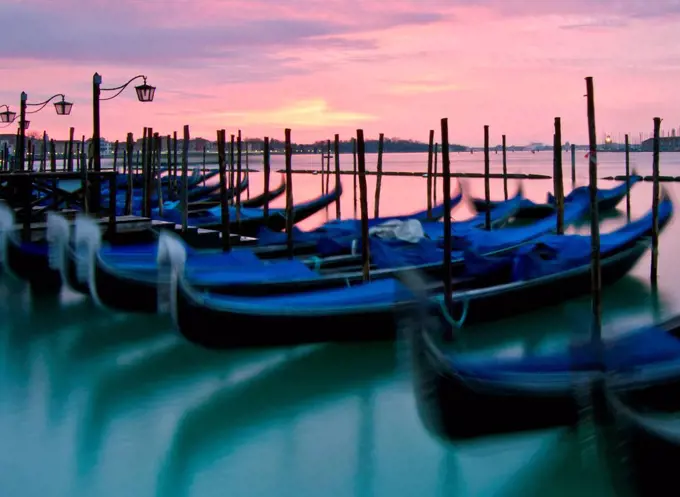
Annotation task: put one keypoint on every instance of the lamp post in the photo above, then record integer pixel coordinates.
(62, 107)
(145, 93)
(7, 116)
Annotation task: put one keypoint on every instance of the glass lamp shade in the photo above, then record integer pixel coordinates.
(145, 93)
(26, 124)
(7, 116)
(63, 108)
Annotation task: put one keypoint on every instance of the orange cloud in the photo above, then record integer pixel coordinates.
(311, 113)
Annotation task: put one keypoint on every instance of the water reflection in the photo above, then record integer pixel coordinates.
(220, 423)
(103, 404)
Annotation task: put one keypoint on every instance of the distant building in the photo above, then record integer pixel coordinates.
(666, 144)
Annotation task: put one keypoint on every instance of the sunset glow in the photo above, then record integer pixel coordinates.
(331, 66)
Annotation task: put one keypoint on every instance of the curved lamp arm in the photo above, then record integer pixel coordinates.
(122, 87)
(5, 106)
(42, 105)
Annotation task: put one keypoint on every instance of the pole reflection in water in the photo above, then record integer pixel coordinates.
(222, 422)
(100, 403)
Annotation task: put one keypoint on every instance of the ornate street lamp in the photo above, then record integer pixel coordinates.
(145, 93)
(7, 116)
(62, 107)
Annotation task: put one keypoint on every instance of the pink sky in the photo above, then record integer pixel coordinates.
(331, 66)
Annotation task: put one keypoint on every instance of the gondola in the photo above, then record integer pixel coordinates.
(646, 431)
(482, 292)
(455, 393)
(263, 198)
(114, 285)
(213, 200)
(170, 208)
(339, 227)
(607, 199)
(29, 260)
(251, 220)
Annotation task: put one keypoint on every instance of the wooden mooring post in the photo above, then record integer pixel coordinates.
(354, 173)
(558, 183)
(363, 200)
(130, 145)
(238, 178)
(573, 166)
(336, 153)
(231, 166)
(289, 194)
(328, 166)
(430, 149)
(184, 198)
(267, 172)
(446, 173)
(71, 134)
(505, 169)
(595, 269)
(224, 200)
(378, 179)
(487, 186)
(434, 180)
(655, 203)
(627, 140)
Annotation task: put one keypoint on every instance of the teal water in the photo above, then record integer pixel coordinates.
(99, 403)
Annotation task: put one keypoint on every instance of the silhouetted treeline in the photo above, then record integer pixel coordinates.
(389, 145)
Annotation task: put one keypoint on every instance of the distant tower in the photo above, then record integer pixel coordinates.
(673, 132)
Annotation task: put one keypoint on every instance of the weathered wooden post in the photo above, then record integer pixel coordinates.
(354, 173)
(174, 156)
(378, 180)
(289, 194)
(328, 166)
(430, 148)
(71, 133)
(627, 178)
(558, 183)
(145, 192)
(184, 199)
(224, 200)
(267, 169)
(596, 276)
(487, 187)
(573, 166)
(655, 203)
(148, 179)
(446, 173)
(238, 179)
(158, 146)
(505, 169)
(247, 171)
(115, 157)
(336, 152)
(434, 182)
(203, 164)
(363, 200)
(130, 145)
(232, 169)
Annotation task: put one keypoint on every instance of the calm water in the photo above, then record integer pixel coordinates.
(97, 403)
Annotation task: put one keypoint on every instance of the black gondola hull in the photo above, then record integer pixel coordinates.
(530, 296)
(456, 406)
(119, 292)
(32, 266)
(216, 330)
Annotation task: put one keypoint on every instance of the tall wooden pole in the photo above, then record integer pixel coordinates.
(655, 203)
(595, 270)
